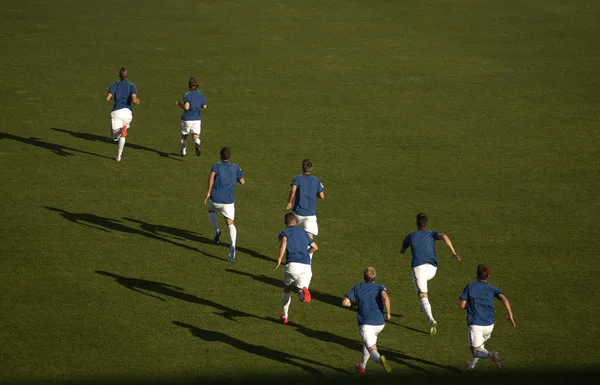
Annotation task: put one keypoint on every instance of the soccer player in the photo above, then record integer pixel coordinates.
(220, 196)
(193, 101)
(478, 299)
(124, 94)
(296, 244)
(424, 261)
(306, 188)
(370, 299)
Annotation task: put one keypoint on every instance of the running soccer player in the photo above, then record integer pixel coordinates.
(220, 196)
(306, 188)
(478, 299)
(424, 261)
(191, 122)
(124, 94)
(296, 245)
(370, 299)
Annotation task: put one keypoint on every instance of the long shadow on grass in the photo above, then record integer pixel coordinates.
(315, 294)
(144, 286)
(192, 236)
(262, 351)
(58, 149)
(108, 224)
(390, 354)
(105, 139)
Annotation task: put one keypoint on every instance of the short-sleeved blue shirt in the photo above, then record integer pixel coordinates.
(422, 247)
(480, 302)
(121, 92)
(227, 175)
(369, 302)
(196, 100)
(307, 188)
(297, 245)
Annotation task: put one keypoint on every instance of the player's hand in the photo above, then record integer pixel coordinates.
(278, 263)
(457, 257)
(289, 206)
(512, 320)
(176, 102)
(206, 199)
(137, 101)
(388, 316)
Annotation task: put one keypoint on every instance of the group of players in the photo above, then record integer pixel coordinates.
(297, 242)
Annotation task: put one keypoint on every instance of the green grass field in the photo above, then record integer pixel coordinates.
(482, 114)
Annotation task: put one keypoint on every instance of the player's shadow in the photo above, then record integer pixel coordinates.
(169, 231)
(152, 288)
(261, 351)
(109, 224)
(315, 294)
(58, 149)
(105, 139)
(390, 354)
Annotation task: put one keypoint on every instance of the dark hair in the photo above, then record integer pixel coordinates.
(370, 274)
(193, 83)
(422, 220)
(225, 153)
(290, 218)
(483, 272)
(307, 165)
(123, 74)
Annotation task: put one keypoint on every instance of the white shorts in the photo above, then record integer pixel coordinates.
(120, 118)
(422, 274)
(308, 223)
(225, 209)
(369, 334)
(298, 274)
(479, 334)
(190, 127)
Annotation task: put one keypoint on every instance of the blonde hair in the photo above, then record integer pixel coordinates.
(370, 274)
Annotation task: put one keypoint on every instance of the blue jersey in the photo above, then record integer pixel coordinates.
(480, 302)
(422, 247)
(121, 92)
(227, 175)
(369, 302)
(196, 100)
(307, 189)
(297, 245)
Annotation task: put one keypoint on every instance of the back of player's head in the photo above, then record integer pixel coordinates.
(123, 73)
(370, 274)
(307, 165)
(483, 272)
(290, 219)
(193, 83)
(422, 220)
(225, 153)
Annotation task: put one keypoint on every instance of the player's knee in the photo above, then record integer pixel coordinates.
(422, 295)
(372, 348)
(286, 289)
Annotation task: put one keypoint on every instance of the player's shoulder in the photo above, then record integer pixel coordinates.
(186, 94)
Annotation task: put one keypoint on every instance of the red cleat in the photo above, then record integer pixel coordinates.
(284, 320)
(359, 368)
(306, 294)
(124, 132)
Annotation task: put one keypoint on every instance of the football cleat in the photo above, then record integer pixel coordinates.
(496, 360)
(124, 132)
(433, 330)
(359, 368)
(197, 150)
(231, 255)
(384, 364)
(306, 294)
(283, 319)
(469, 366)
(217, 236)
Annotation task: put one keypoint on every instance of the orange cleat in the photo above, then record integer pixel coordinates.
(359, 368)
(306, 294)
(284, 320)
(124, 132)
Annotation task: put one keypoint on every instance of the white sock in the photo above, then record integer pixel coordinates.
(232, 234)
(473, 362)
(374, 355)
(426, 306)
(197, 142)
(286, 299)
(121, 146)
(212, 216)
(365, 358)
(482, 353)
(183, 142)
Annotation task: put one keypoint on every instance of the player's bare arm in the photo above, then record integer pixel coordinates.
(184, 106)
(506, 303)
(108, 96)
(211, 182)
(346, 302)
(291, 197)
(135, 99)
(312, 248)
(282, 247)
(444, 237)
(462, 304)
(242, 181)
(386, 302)
(321, 195)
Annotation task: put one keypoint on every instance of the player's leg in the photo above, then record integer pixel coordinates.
(286, 297)
(421, 275)
(369, 335)
(195, 129)
(184, 131)
(212, 217)
(304, 273)
(312, 228)
(478, 335)
(125, 116)
(229, 215)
